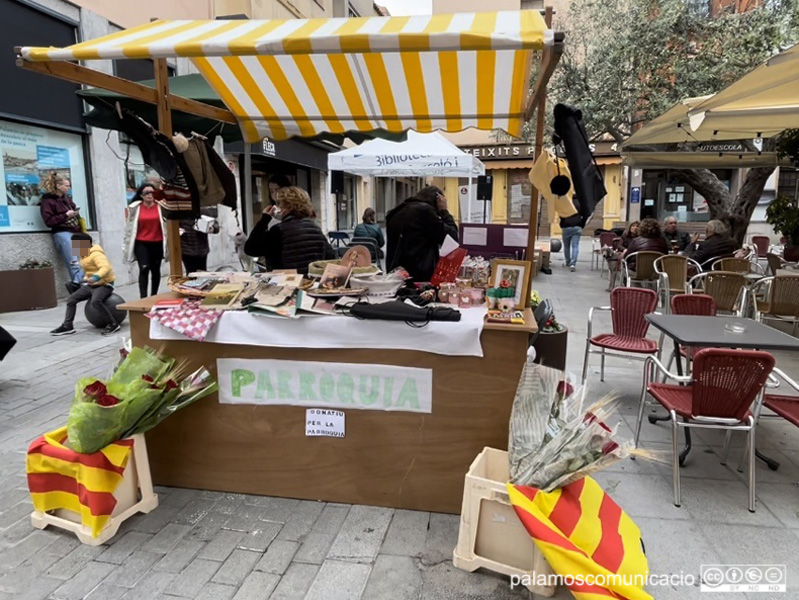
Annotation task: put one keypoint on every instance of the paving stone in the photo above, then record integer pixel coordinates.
(338, 580)
(72, 563)
(19, 511)
(33, 588)
(152, 522)
(445, 582)
(362, 534)
(106, 591)
(257, 586)
(315, 548)
(276, 509)
(176, 560)
(277, 557)
(259, 538)
(228, 504)
(150, 586)
(395, 577)
(193, 578)
(209, 526)
(222, 545)
(301, 521)
(407, 533)
(32, 545)
(296, 582)
(124, 547)
(166, 539)
(216, 591)
(194, 511)
(84, 582)
(237, 567)
(442, 537)
(180, 497)
(134, 568)
(245, 517)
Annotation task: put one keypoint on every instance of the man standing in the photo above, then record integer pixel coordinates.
(677, 240)
(572, 229)
(415, 230)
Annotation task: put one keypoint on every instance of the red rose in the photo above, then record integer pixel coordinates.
(170, 385)
(95, 389)
(610, 447)
(147, 378)
(565, 389)
(107, 400)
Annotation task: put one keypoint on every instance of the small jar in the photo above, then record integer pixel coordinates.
(443, 295)
(478, 295)
(466, 299)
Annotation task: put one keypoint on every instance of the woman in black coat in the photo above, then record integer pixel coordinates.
(286, 236)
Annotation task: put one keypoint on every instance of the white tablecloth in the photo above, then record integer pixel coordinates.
(438, 337)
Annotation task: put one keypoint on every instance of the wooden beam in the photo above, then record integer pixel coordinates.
(165, 125)
(539, 100)
(83, 75)
(549, 61)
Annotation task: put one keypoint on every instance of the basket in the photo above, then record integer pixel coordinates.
(173, 284)
(316, 269)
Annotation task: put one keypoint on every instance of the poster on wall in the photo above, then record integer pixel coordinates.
(29, 155)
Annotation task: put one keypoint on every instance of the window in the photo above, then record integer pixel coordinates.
(29, 154)
(788, 182)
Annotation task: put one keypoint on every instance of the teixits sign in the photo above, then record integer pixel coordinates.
(521, 151)
(321, 384)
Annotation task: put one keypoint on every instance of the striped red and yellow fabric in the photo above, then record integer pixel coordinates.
(83, 483)
(303, 77)
(586, 538)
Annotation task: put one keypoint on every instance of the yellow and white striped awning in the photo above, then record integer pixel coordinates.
(303, 77)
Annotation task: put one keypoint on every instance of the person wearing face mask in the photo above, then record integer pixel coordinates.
(287, 236)
(145, 238)
(62, 216)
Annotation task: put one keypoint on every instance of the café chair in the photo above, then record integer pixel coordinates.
(737, 265)
(338, 239)
(627, 309)
(639, 268)
(761, 243)
(776, 262)
(673, 271)
(784, 406)
(727, 289)
(779, 300)
(724, 391)
(698, 305)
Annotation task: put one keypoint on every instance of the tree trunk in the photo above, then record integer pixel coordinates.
(735, 212)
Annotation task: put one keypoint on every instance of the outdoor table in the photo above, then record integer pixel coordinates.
(711, 332)
(408, 460)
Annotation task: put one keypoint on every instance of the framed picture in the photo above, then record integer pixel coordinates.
(516, 275)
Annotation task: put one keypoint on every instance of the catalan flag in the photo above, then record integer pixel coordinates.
(583, 533)
(83, 483)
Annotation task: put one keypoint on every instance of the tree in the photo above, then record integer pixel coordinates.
(628, 61)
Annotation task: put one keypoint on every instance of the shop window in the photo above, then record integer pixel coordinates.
(788, 183)
(519, 192)
(29, 155)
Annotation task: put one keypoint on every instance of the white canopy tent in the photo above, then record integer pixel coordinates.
(429, 154)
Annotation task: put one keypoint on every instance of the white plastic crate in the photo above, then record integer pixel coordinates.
(134, 494)
(491, 535)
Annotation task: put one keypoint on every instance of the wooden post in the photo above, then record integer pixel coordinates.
(539, 146)
(165, 125)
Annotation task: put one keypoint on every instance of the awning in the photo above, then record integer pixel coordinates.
(302, 77)
(492, 165)
(429, 154)
(770, 91)
(699, 160)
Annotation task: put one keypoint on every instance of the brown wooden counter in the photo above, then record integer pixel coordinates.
(395, 459)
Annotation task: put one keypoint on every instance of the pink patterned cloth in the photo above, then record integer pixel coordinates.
(188, 319)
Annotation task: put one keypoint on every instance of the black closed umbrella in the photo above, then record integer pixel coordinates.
(586, 177)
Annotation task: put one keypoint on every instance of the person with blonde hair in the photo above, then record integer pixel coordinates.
(287, 236)
(62, 216)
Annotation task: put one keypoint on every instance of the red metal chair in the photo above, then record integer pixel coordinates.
(627, 308)
(721, 392)
(786, 407)
(762, 243)
(699, 305)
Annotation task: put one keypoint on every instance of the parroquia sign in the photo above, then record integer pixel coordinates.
(337, 385)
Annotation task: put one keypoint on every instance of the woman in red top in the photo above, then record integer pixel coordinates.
(144, 238)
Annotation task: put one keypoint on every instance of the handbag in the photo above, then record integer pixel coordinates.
(82, 224)
(448, 267)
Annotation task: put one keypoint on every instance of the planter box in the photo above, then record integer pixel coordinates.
(134, 494)
(27, 289)
(550, 349)
(491, 535)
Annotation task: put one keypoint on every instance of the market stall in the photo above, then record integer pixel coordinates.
(416, 411)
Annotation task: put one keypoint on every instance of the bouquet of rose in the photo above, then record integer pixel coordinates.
(144, 390)
(554, 440)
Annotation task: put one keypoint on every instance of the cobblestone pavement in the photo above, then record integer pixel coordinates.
(209, 545)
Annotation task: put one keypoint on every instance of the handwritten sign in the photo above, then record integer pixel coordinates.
(321, 422)
(269, 382)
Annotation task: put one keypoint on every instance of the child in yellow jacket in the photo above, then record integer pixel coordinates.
(98, 285)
